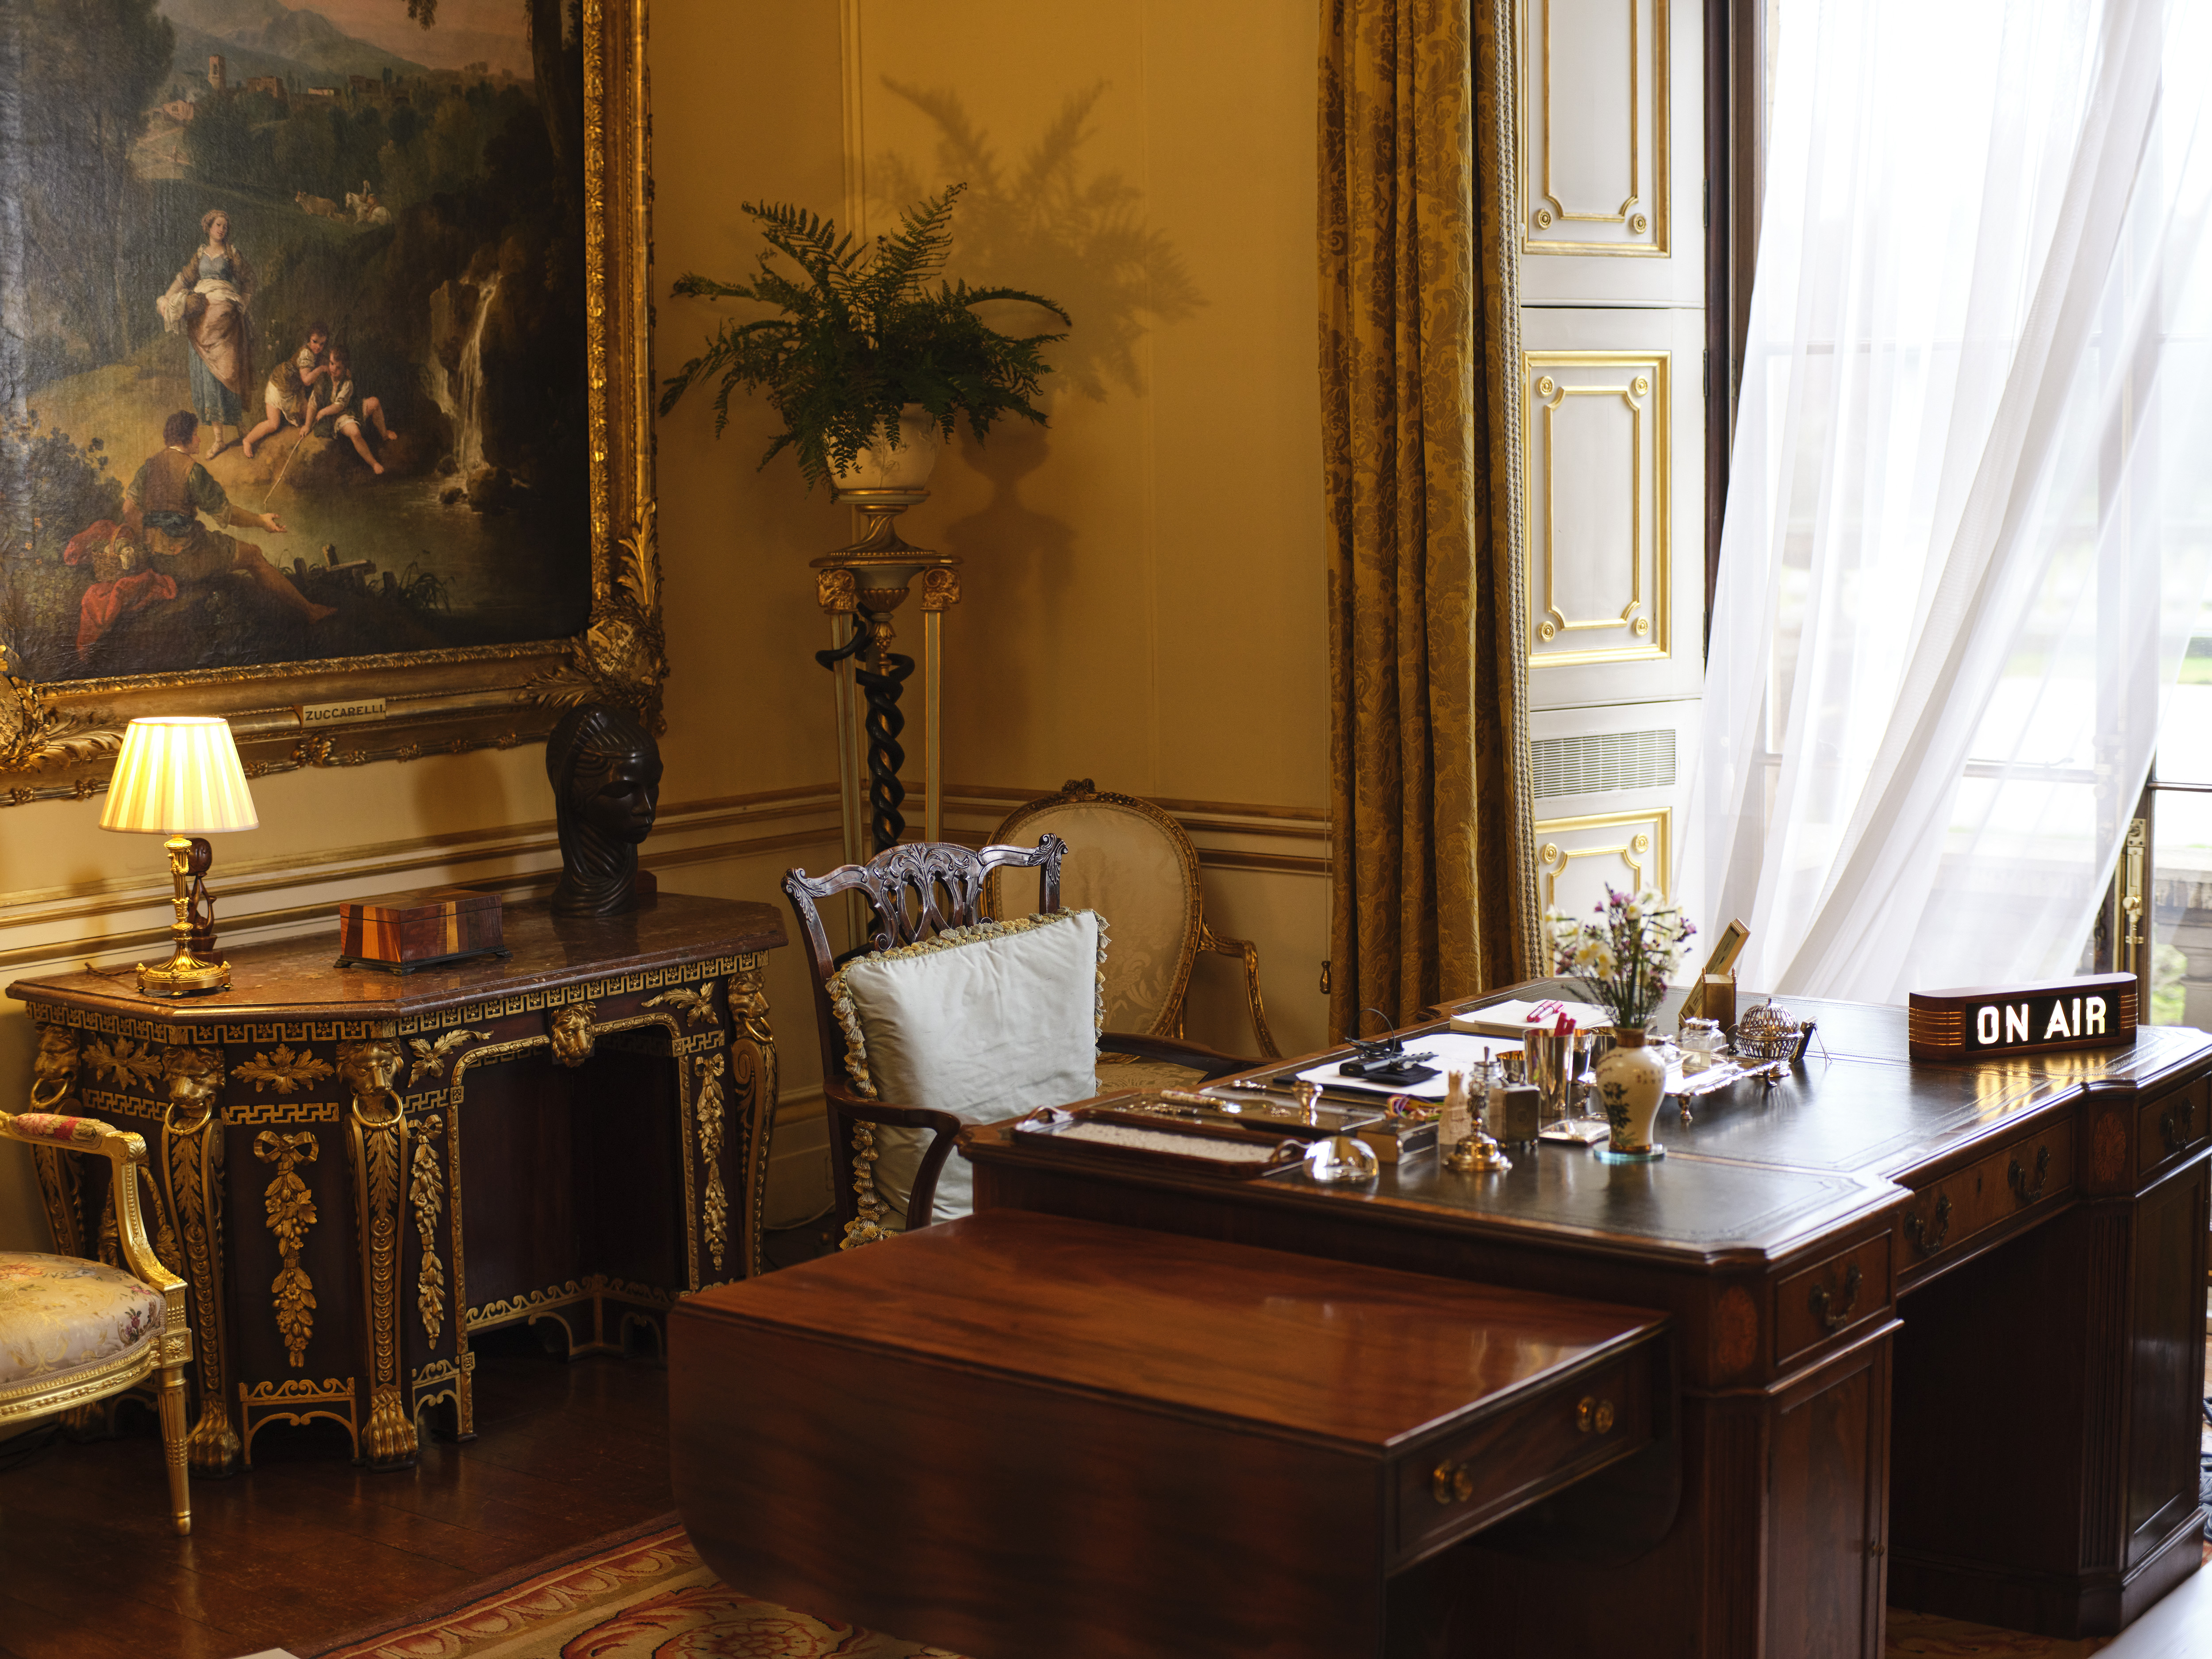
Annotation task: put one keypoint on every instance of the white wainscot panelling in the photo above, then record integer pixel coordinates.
(1612, 208)
(1612, 407)
(1600, 421)
(1607, 782)
(1578, 858)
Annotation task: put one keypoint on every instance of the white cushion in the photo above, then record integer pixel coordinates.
(985, 1022)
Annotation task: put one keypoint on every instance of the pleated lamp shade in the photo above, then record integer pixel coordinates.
(178, 775)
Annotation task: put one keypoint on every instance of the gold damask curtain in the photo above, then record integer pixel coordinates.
(1434, 877)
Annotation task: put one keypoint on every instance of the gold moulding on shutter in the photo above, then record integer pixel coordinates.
(1633, 195)
(1631, 848)
(1634, 624)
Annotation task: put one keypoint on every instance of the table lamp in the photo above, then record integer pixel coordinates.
(178, 776)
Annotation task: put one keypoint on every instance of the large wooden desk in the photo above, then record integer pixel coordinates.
(2020, 1245)
(307, 1133)
(1018, 1435)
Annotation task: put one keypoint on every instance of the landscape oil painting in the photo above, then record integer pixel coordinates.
(293, 332)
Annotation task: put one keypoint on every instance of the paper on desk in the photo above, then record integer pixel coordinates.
(1448, 1051)
(1511, 1019)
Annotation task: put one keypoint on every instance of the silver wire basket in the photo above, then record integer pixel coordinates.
(1769, 1032)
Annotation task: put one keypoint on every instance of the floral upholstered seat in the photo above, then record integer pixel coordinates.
(64, 1321)
(74, 1331)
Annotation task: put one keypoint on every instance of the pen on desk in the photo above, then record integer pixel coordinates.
(1266, 1086)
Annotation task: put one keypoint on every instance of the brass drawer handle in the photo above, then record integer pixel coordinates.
(1451, 1483)
(1594, 1416)
(1926, 1239)
(2177, 1126)
(1833, 1318)
(2025, 1191)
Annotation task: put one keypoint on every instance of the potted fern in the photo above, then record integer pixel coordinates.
(867, 358)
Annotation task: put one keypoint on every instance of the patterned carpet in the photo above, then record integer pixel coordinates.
(1924, 1636)
(640, 1595)
(643, 1595)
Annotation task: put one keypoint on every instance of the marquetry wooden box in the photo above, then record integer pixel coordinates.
(420, 928)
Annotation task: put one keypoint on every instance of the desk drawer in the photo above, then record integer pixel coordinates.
(2175, 1123)
(1953, 1210)
(1830, 1297)
(1460, 1485)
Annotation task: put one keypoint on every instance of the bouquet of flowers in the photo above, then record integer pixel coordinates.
(1623, 957)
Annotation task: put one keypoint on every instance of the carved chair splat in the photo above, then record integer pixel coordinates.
(914, 891)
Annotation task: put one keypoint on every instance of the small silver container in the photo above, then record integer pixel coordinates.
(1518, 1117)
(1342, 1158)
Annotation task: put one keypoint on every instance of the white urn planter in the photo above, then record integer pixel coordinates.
(1631, 1080)
(905, 466)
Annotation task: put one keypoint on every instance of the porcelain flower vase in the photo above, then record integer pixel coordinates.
(1631, 1080)
(880, 467)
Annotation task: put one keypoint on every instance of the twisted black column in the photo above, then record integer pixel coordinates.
(881, 686)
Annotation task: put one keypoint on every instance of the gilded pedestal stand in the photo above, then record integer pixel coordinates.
(859, 586)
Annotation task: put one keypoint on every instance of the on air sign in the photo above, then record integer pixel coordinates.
(2092, 1011)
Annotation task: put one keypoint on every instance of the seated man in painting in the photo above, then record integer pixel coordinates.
(289, 399)
(161, 515)
(338, 417)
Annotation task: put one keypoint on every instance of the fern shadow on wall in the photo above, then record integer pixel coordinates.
(1044, 224)
(1007, 525)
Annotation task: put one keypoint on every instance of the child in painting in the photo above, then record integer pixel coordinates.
(339, 415)
(161, 515)
(289, 399)
(206, 303)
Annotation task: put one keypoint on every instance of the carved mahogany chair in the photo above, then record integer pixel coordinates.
(1129, 861)
(915, 892)
(74, 1331)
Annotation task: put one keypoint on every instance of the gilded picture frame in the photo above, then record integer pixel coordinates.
(58, 735)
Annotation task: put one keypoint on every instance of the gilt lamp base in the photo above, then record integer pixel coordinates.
(183, 975)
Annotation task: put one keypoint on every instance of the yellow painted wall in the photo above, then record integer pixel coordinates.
(1143, 581)
(1142, 598)
(744, 106)
(1148, 572)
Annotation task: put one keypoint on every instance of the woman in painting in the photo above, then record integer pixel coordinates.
(207, 304)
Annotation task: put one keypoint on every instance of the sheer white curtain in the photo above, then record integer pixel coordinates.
(1971, 502)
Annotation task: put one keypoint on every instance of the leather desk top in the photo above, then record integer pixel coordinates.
(1756, 1176)
(1859, 1103)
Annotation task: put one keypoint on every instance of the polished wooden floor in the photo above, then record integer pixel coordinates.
(308, 1546)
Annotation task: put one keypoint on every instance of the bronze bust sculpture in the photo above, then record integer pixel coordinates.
(605, 771)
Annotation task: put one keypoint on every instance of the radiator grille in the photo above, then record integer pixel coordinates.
(1607, 760)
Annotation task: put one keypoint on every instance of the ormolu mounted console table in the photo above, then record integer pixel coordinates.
(310, 1140)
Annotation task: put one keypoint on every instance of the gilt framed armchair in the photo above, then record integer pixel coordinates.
(1128, 859)
(74, 1331)
(979, 1017)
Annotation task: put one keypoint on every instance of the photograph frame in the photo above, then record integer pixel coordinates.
(58, 739)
